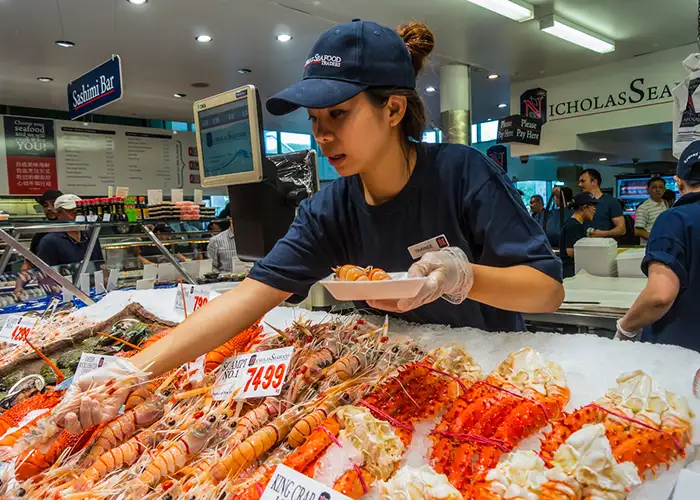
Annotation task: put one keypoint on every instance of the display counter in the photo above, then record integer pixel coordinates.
(586, 366)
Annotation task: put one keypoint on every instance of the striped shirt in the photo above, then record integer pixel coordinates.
(222, 251)
(646, 215)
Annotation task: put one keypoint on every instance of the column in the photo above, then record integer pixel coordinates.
(455, 103)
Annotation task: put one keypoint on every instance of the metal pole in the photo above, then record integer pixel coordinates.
(44, 267)
(8, 253)
(168, 255)
(88, 254)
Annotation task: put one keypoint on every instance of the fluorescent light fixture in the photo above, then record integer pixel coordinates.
(204, 39)
(66, 44)
(45, 79)
(137, 2)
(602, 158)
(284, 38)
(179, 95)
(502, 105)
(493, 76)
(555, 25)
(430, 89)
(512, 9)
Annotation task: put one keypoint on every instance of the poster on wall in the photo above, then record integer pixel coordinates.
(30, 151)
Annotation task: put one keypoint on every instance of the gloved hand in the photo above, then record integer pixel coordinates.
(450, 276)
(623, 334)
(101, 406)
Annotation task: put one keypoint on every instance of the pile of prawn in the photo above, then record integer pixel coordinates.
(175, 441)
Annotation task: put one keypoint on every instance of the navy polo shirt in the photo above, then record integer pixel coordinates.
(675, 242)
(572, 231)
(454, 191)
(59, 249)
(605, 211)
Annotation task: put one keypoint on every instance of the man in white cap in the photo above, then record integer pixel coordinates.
(69, 247)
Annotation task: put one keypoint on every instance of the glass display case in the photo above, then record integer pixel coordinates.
(125, 247)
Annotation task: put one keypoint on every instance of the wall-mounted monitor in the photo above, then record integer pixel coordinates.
(229, 132)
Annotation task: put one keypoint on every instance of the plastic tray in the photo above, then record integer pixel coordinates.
(400, 286)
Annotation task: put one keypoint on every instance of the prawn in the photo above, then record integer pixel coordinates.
(312, 369)
(254, 420)
(124, 455)
(233, 347)
(257, 444)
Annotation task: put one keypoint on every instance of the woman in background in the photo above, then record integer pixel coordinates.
(573, 230)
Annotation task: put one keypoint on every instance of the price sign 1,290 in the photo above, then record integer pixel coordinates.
(16, 329)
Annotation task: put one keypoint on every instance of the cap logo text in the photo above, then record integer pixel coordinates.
(324, 60)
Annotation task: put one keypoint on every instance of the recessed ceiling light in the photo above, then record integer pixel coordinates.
(430, 89)
(178, 95)
(65, 43)
(502, 105)
(493, 76)
(244, 71)
(45, 79)
(137, 2)
(602, 158)
(86, 124)
(204, 38)
(284, 37)
(200, 85)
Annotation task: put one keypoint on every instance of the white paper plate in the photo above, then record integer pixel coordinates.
(400, 286)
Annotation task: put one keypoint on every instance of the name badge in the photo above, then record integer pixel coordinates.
(432, 245)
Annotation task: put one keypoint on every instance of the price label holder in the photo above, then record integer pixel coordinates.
(253, 375)
(112, 280)
(177, 195)
(89, 362)
(286, 483)
(198, 196)
(106, 217)
(155, 196)
(195, 298)
(16, 329)
(122, 192)
(150, 271)
(100, 282)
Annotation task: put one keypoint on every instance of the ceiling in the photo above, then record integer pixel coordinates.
(160, 56)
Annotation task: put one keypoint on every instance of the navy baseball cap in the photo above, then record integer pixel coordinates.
(345, 61)
(687, 168)
(583, 199)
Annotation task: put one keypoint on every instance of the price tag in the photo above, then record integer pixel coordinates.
(254, 375)
(16, 329)
(89, 362)
(106, 217)
(122, 192)
(155, 196)
(177, 195)
(194, 298)
(198, 196)
(288, 483)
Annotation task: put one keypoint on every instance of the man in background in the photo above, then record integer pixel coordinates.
(222, 251)
(70, 247)
(609, 221)
(537, 209)
(46, 201)
(652, 207)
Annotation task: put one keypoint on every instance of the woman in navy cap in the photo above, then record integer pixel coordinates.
(444, 211)
(583, 205)
(668, 304)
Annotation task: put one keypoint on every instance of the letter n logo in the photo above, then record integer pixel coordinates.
(533, 104)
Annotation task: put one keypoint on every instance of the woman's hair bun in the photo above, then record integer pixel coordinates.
(419, 40)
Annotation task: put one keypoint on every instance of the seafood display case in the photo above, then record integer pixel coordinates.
(126, 247)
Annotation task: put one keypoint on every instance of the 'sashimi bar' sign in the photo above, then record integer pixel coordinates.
(95, 89)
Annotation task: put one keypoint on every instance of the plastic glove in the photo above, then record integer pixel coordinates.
(94, 411)
(450, 276)
(623, 334)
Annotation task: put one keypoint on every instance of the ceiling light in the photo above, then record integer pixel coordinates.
(45, 79)
(512, 9)
(65, 43)
(244, 71)
(602, 158)
(502, 105)
(493, 76)
(204, 39)
(137, 2)
(284, 38)
(570, 32)
(430, 89)
(179, 95)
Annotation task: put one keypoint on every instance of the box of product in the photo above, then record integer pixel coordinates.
(629, 263)
(187, 210)
(597, 256)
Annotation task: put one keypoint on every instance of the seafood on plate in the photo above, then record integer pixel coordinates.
(351, 272)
